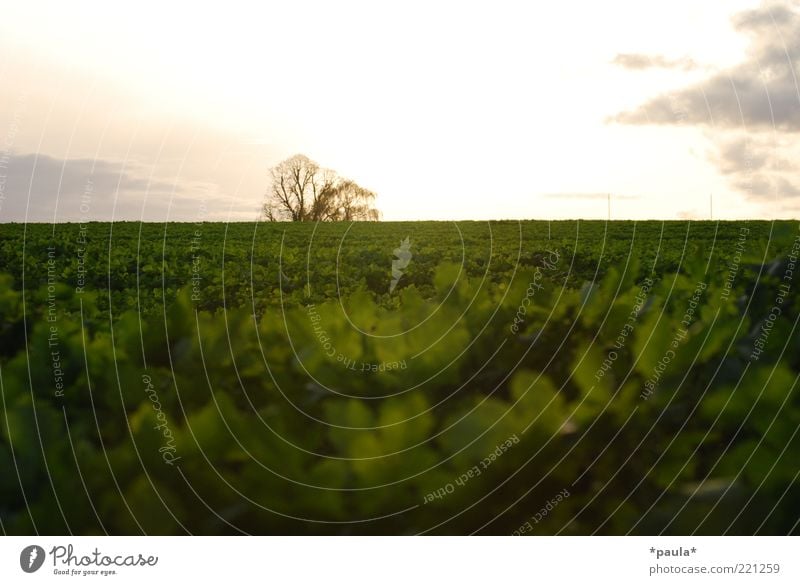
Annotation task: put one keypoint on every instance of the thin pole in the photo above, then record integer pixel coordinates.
(609, 207)
(711, 204)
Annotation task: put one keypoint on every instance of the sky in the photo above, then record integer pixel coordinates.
(447, 110)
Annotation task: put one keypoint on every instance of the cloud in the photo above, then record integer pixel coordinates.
(638, 62)
(738, 154)
(743, 98)
(751, 110)
(761, 92)
(768, 15)
(41, 188)
(757, 166)
(767, 187)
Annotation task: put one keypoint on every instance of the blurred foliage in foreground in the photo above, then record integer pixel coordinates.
(529, 386)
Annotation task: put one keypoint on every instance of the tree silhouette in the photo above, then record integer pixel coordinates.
(300, 190)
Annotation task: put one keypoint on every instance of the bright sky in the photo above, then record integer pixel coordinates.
(448, 110)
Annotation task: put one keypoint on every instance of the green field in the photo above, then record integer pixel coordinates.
(519, 377)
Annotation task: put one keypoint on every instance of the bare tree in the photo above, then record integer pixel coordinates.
(300, 190)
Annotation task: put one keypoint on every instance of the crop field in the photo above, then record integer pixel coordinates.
(534, 377)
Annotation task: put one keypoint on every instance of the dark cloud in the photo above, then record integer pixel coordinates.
(638, 61)
(760, 92)
(42, 188)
